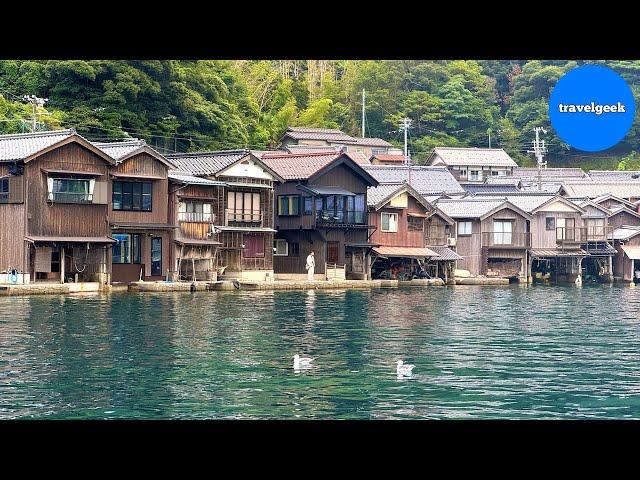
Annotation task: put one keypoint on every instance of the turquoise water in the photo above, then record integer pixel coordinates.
(480, 352)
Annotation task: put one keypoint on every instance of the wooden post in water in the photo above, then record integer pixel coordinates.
(61, 264)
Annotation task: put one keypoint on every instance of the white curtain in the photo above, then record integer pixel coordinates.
(50, 187)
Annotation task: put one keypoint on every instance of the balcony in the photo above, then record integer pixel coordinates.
(506, 239)
(196, 217)
(590, 238)
(341, 217)
(236, 218)
(68, 197)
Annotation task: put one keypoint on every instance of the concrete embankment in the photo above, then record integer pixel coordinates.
(49, 288)
(481, 281)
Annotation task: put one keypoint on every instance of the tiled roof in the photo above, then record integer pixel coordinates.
(309, 148)
(445, 253)
(549, 174)
(379, 193)
(205, 163)
(369, 142)
(468, 208)
(298, 166)
(526, 202)
(553, 252)
(426, 180)
(409, 252)
(497, 180)
(486, 189)
(625, 232)
(474, 156)
(548, 187)
(359, 158)
(614, 175)
(22, 145)
(385, 157)
(314, 130)
(120, 149)
(191, 180)
(591, 189)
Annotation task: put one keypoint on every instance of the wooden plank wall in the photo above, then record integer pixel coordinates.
(12, 231)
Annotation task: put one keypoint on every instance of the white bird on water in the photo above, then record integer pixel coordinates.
(404, 370)
(301, 362)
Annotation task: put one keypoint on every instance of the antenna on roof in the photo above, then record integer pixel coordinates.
(35, 103)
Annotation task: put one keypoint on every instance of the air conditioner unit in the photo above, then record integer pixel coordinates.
(451, 242)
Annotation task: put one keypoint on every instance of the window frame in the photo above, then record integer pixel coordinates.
(4, 195)
(553, 224)
(279, 241)
(134, 250)
(389, 215)
(130, 190)
(464, 234)
(296, 202)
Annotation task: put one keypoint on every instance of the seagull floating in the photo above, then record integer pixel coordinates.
(404, 370)
(301, 362)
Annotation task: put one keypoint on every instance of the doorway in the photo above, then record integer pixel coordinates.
(333, 252)
(156, 256)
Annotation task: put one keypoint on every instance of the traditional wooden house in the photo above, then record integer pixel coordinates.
(54, 208)
(473, 164)
(197, 208)
(626, 239)
(413, 235)
(493, 236)
(321, 207)
(245, 221)
(138, 212)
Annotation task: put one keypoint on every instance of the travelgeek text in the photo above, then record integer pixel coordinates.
(592, 108)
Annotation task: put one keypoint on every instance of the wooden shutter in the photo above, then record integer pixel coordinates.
(16, 189)
(100, 193)
(43, 259)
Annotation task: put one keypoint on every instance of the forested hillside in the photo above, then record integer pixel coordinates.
(189, 105)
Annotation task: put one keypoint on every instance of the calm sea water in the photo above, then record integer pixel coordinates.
(480, 352)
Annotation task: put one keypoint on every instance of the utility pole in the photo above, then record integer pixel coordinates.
(539, 149)
(35, 103)
(363, 117)
(489, 132)
(406, 123)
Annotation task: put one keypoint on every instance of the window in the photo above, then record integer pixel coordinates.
(308, 206)
(280, 247)
(378, 151)
(195, 211)
(463, 172)
(550, 223)
(502, 232)
(253, 245)
(70, 190)
(243, 207)
(288, 205)
(132, 196)
(464, 228)
(127, 249)
(415, 224)
(389, 222)
(4, 190)
(294, 249)
(475, 175)
(595, 227)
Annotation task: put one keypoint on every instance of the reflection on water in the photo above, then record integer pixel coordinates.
(512, 352)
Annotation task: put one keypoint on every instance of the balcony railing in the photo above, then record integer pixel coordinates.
(241, 218)
(196, 217)
(574, 236)
(341, 217)
(68, 197)
(506, 239)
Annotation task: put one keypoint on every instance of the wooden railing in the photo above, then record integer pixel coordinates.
(196, 217)
(506, 239)
(241, 218)
(341, 217)
(333, 271)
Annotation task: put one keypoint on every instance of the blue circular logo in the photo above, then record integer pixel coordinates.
(591, 108)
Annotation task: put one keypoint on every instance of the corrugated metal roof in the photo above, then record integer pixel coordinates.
(22, 145)
(192, 180)
(632, 251)
(496, 157)
(554, 252)
(445, 253)
(206, 163)
(408, 252)
(298, 166)
(426, 180)
(626, 232)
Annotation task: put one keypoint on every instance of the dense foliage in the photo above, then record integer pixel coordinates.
(189, 105)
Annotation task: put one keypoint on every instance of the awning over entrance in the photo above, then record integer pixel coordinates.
(552, 252)
(631, 251)
(194, 241)
(39, 239)
(445, 254)
(321, 190)
(405, 252)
